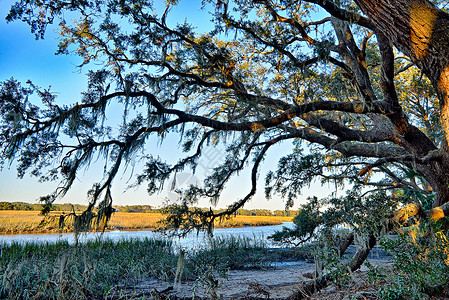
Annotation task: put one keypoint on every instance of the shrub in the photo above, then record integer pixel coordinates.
(420, 267)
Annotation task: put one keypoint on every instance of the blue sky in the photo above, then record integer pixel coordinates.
(24, 58)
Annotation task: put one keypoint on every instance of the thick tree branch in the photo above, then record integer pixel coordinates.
(343, 14)
(345, 133)
(355, 59)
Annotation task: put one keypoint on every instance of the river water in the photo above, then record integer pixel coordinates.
(191, 241)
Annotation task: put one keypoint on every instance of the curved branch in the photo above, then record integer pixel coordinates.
(402, 158)
(347, 148)
(292, 112)
(343, 14)
(355, 59)
(237, 205)
(180, 217)
(376, 134)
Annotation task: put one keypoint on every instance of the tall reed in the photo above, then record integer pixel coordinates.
(92, 269)
(98, 269)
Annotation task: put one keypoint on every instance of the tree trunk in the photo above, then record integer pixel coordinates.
(353, 265)
(437, 177)
(421, 31)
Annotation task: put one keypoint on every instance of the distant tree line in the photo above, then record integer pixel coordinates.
(265, 212)
(137, 208)
(240, 212)
(39, 207)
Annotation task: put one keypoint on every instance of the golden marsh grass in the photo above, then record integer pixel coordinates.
(134, 221)
(12, 222)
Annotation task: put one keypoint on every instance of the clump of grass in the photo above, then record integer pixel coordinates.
(237, 252)
(63, 271)
(96, 269)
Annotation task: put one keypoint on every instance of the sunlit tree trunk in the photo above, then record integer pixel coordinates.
(420, 31)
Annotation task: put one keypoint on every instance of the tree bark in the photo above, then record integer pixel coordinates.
(420, 31)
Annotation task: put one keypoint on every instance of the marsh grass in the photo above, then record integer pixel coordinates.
(90, 270)
(237, 252)
(13, 222)
(98, 269)
(23, 222)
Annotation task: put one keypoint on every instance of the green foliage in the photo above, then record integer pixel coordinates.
(19, 206)
(136, 208)
(365, 212)
(306, 222)
(39, 207)
(294, 172)
(316, 218)
(419, 267)
(184, 219)
(328, 259)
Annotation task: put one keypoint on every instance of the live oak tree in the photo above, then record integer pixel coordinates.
(359, 87)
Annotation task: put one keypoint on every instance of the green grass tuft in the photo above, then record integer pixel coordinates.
(63, 271)
(96, 269)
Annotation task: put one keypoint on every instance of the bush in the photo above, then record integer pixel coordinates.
(420, 268)
(306, 222)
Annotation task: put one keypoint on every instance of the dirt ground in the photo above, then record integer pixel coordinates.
(277, 282)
